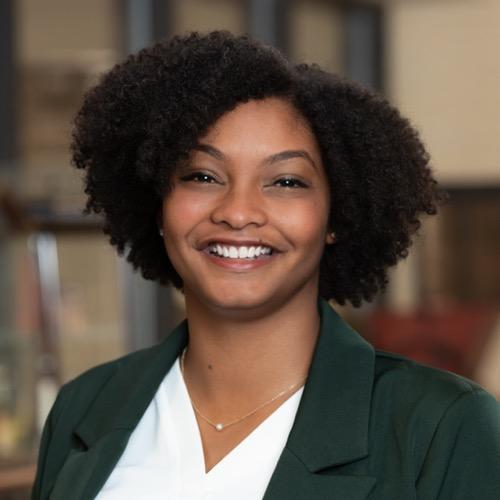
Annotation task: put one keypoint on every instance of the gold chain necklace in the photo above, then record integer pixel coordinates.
(219, 426)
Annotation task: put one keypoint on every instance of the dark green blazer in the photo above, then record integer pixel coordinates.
(370, 425)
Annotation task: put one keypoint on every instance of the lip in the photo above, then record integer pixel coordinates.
(236, 243)
(238, 264)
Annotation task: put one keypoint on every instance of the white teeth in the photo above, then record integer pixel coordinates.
(242, 252)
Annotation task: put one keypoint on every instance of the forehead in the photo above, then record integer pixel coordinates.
(262, 124)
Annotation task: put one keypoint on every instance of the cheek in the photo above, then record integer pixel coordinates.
(181, 212)
(305, 224)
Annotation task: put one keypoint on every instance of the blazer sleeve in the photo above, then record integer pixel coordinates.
(463, 460)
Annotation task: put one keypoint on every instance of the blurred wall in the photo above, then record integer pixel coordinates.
(205, 16)
(316, 34)
(61, 25)
(444, 73)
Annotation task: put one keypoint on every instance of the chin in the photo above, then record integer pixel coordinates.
(239, 300)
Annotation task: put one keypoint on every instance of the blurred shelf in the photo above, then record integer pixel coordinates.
(15, 477)
(42, 216)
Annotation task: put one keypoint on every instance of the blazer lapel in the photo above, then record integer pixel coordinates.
(331, 425)
(292, 480)
(85, 471)
(102, 435)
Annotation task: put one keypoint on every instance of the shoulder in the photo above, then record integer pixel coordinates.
(72, 403)
(434, 412)
(397, 373)
(408, 385)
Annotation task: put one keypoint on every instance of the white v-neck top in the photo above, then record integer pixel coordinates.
(164, 456)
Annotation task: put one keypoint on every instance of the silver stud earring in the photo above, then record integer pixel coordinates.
(334, 238)
(160, 230)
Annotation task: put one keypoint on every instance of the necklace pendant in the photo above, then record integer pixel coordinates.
(219, 427)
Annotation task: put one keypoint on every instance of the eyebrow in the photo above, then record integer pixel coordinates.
(274, 158)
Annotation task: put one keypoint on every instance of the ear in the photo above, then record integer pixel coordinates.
(330, 238)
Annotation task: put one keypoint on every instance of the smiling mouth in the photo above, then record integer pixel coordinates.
(242, 253)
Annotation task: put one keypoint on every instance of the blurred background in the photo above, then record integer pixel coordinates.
(67, 302)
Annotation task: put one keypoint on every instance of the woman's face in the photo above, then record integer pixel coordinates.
(255, 179)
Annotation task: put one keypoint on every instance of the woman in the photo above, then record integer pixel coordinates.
(261, 190)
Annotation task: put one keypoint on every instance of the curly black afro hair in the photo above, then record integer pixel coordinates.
(146, 114)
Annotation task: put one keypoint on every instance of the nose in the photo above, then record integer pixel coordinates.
(239, 207)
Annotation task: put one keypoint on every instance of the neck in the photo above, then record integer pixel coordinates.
(233, 363)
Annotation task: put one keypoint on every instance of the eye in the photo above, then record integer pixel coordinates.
(291, 182)
(199, 177)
